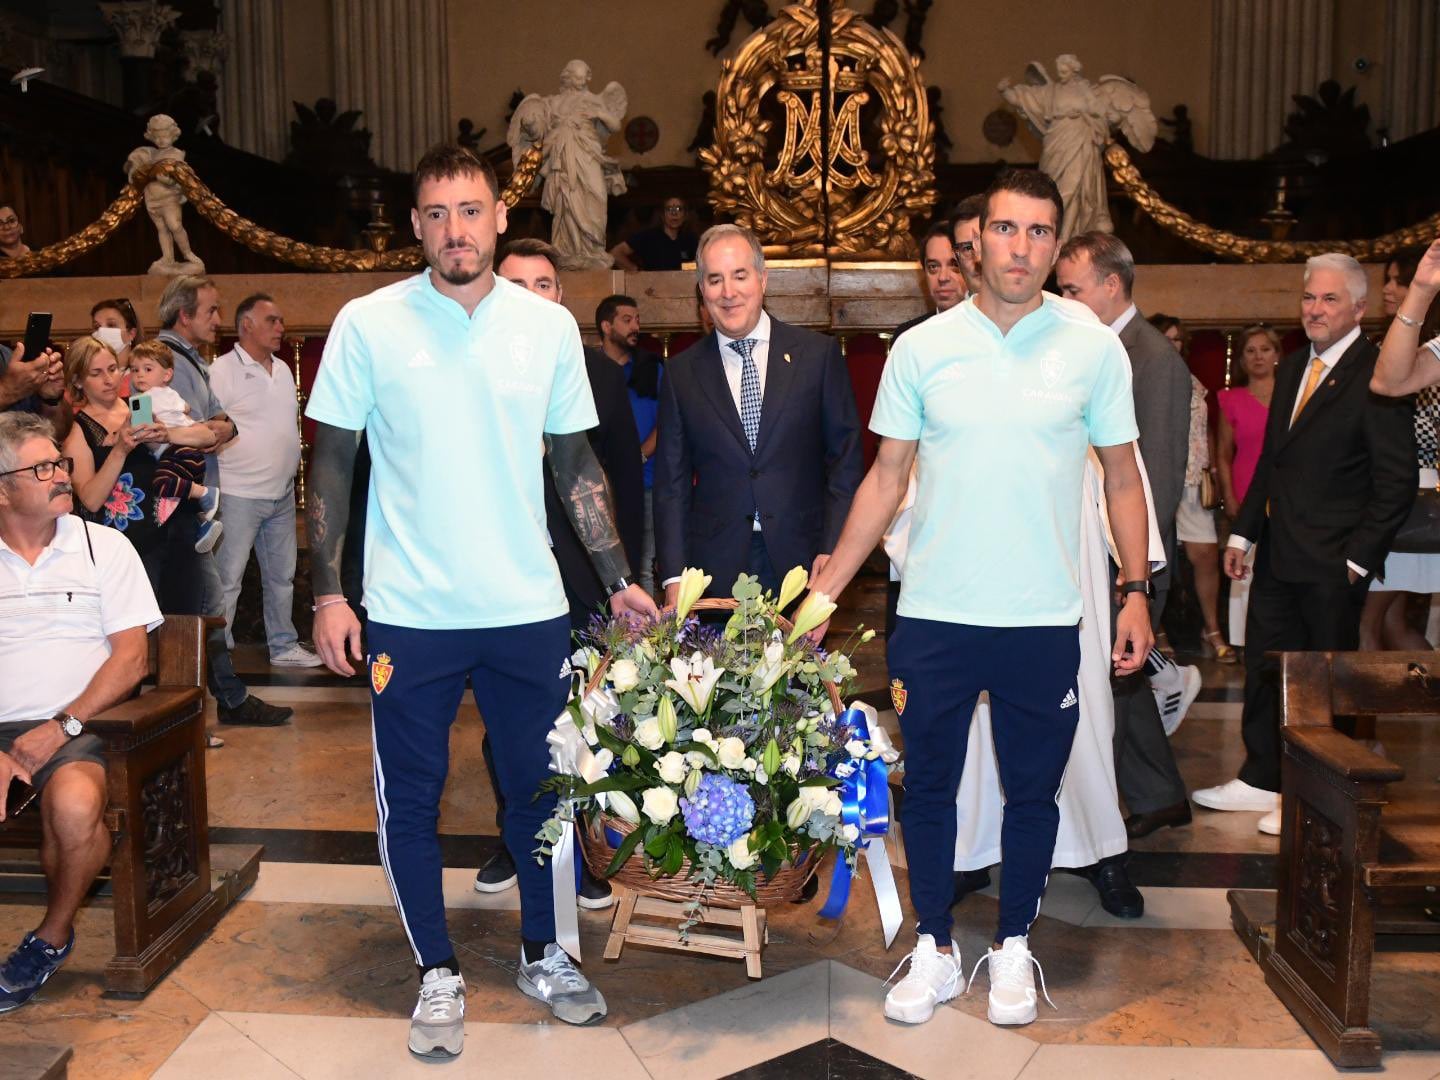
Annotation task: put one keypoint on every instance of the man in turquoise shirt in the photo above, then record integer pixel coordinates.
(1001, 397)
(466, 386)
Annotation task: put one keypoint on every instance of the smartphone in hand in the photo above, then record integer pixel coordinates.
(18, 798)
(37, 334)
(142, 410)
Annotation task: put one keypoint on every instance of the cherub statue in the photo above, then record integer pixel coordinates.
(572, 127)
(163, 198)
(1074, 117)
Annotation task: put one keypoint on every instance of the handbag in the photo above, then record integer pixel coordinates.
(1420, 535)
(1209, 490)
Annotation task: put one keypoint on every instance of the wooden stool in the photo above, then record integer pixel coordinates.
(664, 933)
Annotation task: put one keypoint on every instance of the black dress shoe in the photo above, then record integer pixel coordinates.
(1138, 825)
(1118, 895)
(252, 712)
(968, 881)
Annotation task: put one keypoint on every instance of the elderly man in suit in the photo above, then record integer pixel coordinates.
(1098, 270)
(759, 449)
(1335, 481)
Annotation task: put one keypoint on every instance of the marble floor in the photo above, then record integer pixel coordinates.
(310, 976)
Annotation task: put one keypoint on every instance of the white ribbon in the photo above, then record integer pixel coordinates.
(879, 737)
(877, 854)
(562, 887)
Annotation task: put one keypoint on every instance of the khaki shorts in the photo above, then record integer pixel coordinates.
(80, 748)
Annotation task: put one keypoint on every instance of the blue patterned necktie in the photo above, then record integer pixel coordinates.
(749, 389)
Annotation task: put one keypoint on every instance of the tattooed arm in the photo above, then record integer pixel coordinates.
(585, 491)
(327, 513)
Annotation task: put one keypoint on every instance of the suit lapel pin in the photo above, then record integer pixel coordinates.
(787, 358)
(1332, 382)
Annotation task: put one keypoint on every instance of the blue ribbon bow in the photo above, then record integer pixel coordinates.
(864, 803)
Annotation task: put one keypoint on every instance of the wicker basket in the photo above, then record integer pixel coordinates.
(783, 888)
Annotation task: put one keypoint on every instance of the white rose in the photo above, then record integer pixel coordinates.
(624, 675)
(741, 857)
(791, 764)
(647, 733)
(851, 833)
(832, 804)
(749, 764)
(696, 760)
(702, 735)
(731, 752)
(659, 804)
(855, 748)
(671, 767)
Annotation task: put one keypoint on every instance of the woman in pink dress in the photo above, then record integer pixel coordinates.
(1244, 409)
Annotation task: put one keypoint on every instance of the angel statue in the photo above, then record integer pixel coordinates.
(572, 127)
(1074, 117)
(163, 198)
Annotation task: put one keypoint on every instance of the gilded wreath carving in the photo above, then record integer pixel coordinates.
(871, 201)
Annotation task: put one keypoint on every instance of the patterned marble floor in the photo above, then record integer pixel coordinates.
(309, 975)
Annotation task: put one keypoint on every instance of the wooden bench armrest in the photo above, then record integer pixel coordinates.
(1341, 754)
(138, 715)
(178, 649)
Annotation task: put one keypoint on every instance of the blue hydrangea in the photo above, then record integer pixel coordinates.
(720, 812)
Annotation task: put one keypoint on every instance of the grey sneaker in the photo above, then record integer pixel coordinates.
(556, 981)
(437, 1026)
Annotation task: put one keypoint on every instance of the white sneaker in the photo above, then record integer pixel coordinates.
(1174, 704)
(1012, 986)
(1236, 795)
(1270, 823)
(437, 1026)
(934, 977)
(296, 656)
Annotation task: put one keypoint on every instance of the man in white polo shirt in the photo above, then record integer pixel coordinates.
(1001, 397)
(75, 606)
(257, 475)
(466, 386)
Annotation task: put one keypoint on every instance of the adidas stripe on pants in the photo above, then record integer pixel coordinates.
(1031, 674)
(515, 673)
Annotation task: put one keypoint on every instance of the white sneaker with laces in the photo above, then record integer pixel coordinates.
(934, 977)
(296, 656)
(1236, 795)
(1012, 986)
(1175, 703)
(556, 981)
(437, 1026)
(1270, 823)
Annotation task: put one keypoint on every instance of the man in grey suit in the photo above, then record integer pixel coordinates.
(1098, 270)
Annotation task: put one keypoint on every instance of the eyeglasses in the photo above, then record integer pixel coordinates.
(45, 470)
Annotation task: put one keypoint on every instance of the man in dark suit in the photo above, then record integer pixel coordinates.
(1335, 481)
(1098, 270)
(759, 449)
(533, 264)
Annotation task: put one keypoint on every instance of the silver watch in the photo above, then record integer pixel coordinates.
(71, 725)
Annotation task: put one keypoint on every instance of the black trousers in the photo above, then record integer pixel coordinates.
(1287, 616)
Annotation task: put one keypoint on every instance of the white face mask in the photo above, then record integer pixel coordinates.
(113, 338)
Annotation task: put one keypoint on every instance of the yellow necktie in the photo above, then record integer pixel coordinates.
(1317, 370)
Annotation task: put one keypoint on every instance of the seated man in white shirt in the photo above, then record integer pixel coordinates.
(75, 606)
(257, 474)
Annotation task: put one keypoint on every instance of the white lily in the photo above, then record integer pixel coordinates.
(813, 610)
(693, 584)
(793, 585)
(773, 666)
(622, 806)
(694, 680)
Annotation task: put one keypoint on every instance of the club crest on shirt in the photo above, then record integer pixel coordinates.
(521, 352)
(380, 671)
(898, 694)
(1052, 366)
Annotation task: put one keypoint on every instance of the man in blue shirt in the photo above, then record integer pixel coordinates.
(1000, 399)
(459, 579)
(617, 321)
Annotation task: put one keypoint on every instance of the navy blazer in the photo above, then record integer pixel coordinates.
(1339, 483)
(801, 477)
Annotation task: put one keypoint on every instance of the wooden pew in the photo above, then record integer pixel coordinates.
(167, 892)
(1357, 856)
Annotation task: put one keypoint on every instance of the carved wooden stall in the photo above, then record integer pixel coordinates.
(1359, 845)
(169, 885)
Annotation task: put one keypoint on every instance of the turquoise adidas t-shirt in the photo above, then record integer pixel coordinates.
(456, 407)
(1004, 422)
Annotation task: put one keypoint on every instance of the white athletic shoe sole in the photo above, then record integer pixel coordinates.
(1011, 1016)
(910, 1014)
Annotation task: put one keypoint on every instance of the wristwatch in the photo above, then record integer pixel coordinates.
(1137, 587)
(71, 725)
(619, 585)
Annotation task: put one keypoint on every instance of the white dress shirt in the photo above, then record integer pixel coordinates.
(1124, 319)
(1330, 357)
(733, 363)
